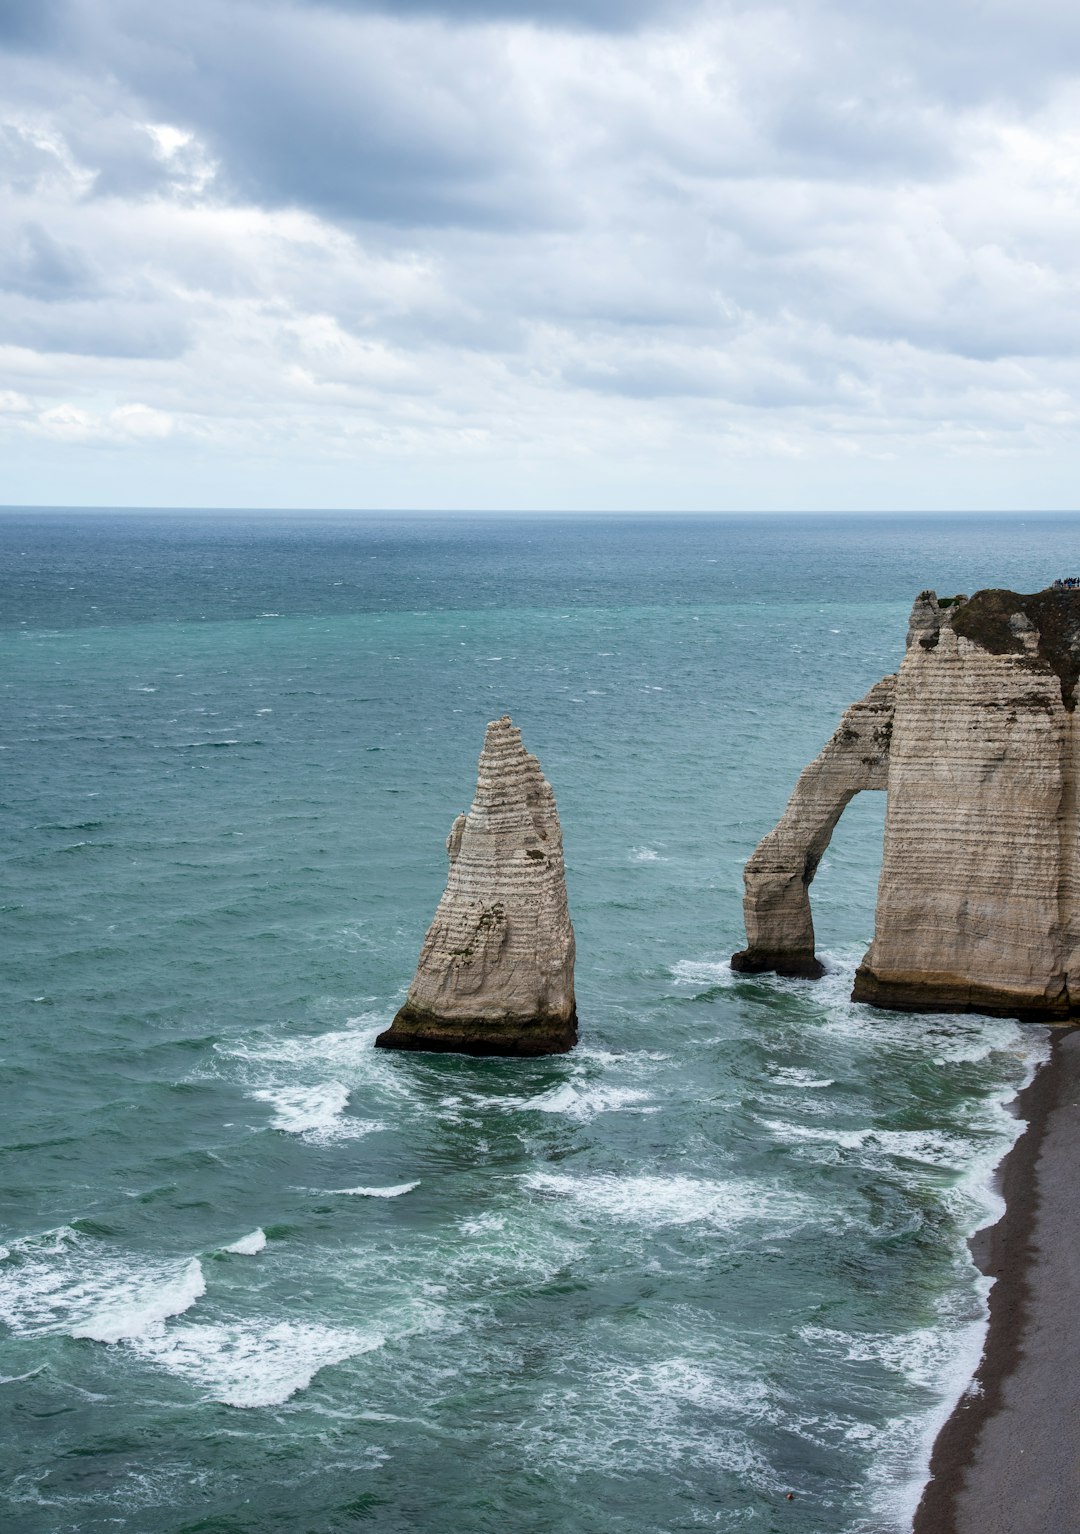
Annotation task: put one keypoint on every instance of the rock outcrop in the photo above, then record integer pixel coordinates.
(779, 926)
(979, 898)
(496, 972)
(978, 904)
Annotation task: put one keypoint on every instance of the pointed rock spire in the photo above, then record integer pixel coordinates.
(496, 972)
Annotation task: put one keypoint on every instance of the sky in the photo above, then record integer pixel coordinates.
(506, 255)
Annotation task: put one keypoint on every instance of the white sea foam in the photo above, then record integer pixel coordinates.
(644, 855)
(252, 1363)
(395, 1192)
(248, 1246)
(939, 1360)
(17, 1379)
(655, 1416)
(303, 1063)
(62, 1282)
(315, 1113)
(792, 1076)
(658, 1201)
(347, 1048)
(635, 1058)
(689, 1381)
(483, 1225)
(710, 972)
(578, 1098)
(508, 1247)
(582, 1102)
(931, 1147)
(138, 1307)
(921, 1355)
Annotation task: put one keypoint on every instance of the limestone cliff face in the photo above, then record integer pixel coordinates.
(978, 905)
(779, 926)
(496, 972)
(976, 743)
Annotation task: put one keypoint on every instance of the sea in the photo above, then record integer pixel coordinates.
(257, 1277)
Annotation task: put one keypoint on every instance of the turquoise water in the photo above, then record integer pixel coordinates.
(256, 1276)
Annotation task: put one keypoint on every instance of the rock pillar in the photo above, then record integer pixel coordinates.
(496, 971)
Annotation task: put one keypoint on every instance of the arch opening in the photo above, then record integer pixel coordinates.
(776, 906)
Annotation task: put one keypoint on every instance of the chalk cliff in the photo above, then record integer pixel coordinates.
(979, 899)
(496, 972)
(978, 905)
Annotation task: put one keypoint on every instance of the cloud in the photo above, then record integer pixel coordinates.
(605, 15)
(424, 247)
(127, 423)
(39, 266)
(25, 25)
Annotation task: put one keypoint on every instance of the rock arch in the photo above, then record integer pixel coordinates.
(779, 924)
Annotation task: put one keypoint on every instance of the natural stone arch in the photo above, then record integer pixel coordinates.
(779, 924)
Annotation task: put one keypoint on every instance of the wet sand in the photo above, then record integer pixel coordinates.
(1008, 1459)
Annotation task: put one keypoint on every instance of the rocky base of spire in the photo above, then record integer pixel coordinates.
(508, 1036)
(952, 993)
(761, 961)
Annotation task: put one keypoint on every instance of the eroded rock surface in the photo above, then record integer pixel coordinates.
(978, 900)
(975, 741)
(496, 972)
(776, 907)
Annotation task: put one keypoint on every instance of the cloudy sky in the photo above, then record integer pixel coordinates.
(517, 254)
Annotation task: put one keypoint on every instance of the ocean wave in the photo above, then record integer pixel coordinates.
(507, 1247)
(583, 1102)
(394, 1192)
(932, 1147)
(291, 1072)
(64, 1283)
(248, 1246)
(708, 972)
(659, 1201)
(936, 1361)
(142, 1305)
(17, 1379)
(315, 1113)
(924, 1356)
(943, 1039)
(656, 1414)
(256, 1362)
(348, 1048)
(634, 1058)
(793, 1076)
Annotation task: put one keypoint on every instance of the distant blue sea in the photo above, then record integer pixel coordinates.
(256, 1278)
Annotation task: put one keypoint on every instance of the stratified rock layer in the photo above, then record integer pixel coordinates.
(496, 972)
(976, 742)
(978, 904)
(779, 925)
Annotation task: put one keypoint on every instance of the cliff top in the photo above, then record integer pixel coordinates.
(1042, 625)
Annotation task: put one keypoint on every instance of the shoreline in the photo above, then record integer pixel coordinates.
(1005, 1461)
